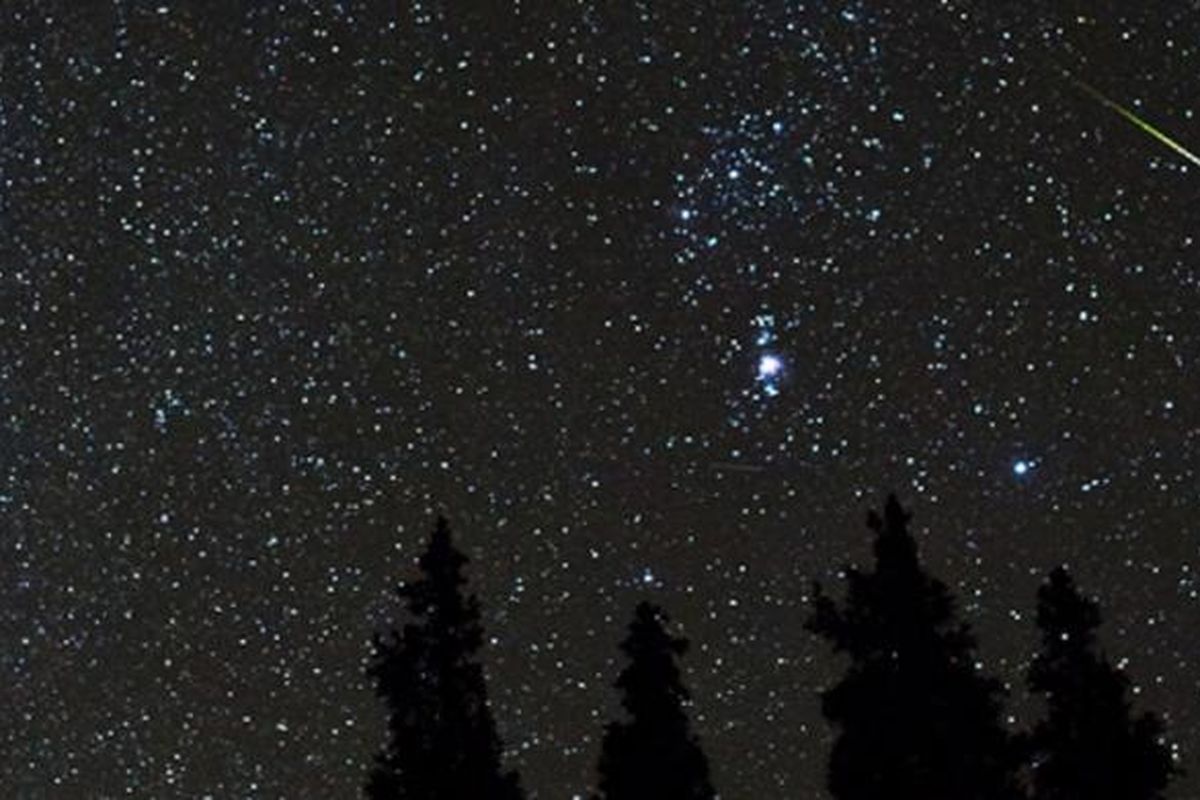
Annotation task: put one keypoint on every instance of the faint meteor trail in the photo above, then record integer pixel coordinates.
(730, 466)
(1133, 118)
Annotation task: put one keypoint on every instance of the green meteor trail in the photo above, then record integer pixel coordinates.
(1133, 118)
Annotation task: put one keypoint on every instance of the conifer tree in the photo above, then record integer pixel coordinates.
(654, 755)
(1089, 746)
(442, 742)
(915, 717)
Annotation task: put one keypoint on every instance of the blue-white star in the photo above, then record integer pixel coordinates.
(769, 366)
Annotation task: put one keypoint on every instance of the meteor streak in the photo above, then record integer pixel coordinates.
(1133, 118)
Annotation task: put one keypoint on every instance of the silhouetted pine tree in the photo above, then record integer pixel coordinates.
(442, 743)
(1089, 747)
(916, 718)
(653, 756)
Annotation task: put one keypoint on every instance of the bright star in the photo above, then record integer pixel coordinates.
(1021, 467)
(769, 366)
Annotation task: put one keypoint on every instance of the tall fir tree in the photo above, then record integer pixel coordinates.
(654, 755)
(1089, 746)
(442, 741)
(916, 718)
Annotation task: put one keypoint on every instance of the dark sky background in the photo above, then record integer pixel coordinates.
(653, 300)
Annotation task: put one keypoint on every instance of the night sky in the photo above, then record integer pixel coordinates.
(652, 300)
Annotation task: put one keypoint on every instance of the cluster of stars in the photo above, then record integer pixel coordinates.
(652, 298)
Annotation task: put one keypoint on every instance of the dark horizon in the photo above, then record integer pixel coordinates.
(914, 713)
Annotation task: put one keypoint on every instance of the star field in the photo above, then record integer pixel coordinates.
(651, 300)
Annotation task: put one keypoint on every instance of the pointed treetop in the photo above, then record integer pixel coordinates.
(1064, 616)
(652, 675)
(915, 717)
(1090, 744)
(894, 545)
(441, 550)
(648, 634)
(653, 755)
(896, 595)
(441, 575)
(895, 517)
(443, 743)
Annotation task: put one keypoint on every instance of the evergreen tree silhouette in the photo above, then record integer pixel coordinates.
(442, 738)
(916, 718)
(1089, 746)
(654, 755)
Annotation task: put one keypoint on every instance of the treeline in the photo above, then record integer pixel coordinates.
(915, 715)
